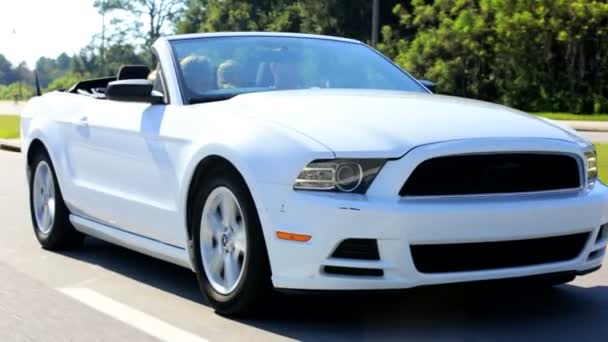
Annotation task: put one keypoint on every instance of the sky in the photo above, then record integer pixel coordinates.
(30, 29)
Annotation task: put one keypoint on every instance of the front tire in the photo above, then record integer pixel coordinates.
(50, 216)
(229, 249)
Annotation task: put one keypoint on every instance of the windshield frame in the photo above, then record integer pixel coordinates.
(224, 96)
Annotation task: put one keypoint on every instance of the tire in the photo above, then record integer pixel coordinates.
(54, 231)
(252, 283)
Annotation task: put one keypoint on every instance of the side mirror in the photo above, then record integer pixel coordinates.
(430, 85)
(132, 91)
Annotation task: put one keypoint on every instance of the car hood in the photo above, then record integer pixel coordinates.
(387, 123)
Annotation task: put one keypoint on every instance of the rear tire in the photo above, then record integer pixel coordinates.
(230, 260)
(50, 216)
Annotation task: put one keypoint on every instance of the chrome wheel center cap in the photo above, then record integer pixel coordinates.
(225, 239)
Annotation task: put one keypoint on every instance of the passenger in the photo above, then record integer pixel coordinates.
(198, 73)
(229, 75)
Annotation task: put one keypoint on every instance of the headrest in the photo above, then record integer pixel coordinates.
(133, 72)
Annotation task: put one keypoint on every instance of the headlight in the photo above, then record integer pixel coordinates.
(340, 175)
(591, 166)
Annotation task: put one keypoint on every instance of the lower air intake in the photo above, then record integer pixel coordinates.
(353, 271)
(461, 257)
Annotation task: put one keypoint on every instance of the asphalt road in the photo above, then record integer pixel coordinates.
(9, 107)
(107, 293)
(596, 136)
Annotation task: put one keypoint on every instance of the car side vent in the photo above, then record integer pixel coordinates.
(360, 249)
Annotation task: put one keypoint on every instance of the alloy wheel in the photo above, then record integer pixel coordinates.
(223, 240)
(44, 197)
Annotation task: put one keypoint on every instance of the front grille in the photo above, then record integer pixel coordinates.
(461, 257)
(492, 174)
(361, 249)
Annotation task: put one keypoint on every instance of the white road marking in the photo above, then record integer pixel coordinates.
(135, 318)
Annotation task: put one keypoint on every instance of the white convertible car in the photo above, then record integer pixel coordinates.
(303, 162)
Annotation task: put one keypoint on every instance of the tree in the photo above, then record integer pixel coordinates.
(146, 19)
(46, 68)
(6, 71)
(66, 81)
(451, 46)
(535, 55)
(63, 62)
(193, 17)
(23, 73)
(21, 90)
(118, 55)
(232, 15)
(348, 18)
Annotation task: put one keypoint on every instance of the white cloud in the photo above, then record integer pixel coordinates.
(30, 29)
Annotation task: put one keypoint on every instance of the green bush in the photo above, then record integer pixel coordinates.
(536, 55)
(16, 91)
(66, 82)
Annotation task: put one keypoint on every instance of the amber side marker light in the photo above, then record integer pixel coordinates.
(293, 237)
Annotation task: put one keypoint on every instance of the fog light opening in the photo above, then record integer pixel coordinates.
(596, 254)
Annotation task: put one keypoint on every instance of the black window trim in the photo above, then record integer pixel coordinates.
(163, 80)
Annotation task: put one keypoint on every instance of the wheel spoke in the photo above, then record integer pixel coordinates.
(47, 181)
(240, 240)
(215, 224)
(50, 217)
(207, 237)
(51, 188)
(229, 211)
(46, 218)
(38, 203)
(231, 270)
(216, 262)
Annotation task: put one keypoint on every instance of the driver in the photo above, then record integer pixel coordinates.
(198, 73)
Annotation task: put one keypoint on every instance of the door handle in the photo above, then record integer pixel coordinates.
(83, 122)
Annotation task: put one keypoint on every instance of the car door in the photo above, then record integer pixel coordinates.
(123, 175)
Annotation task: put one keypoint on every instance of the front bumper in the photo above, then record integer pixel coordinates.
(396, 223)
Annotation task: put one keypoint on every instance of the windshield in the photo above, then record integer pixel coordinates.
(221, 67)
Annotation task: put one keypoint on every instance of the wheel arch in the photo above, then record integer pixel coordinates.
(203, 167)
(40, 133)
(206, 162)
(35, 146)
